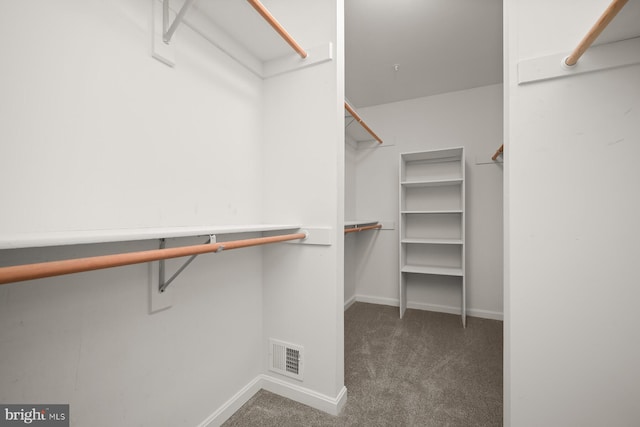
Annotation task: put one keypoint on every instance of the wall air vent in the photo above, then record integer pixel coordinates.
(286, 359)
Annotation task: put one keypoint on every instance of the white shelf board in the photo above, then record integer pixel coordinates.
(443, 155)
(433, 241)
(31, 240)
(432, 183)
(451, 211)
(441, 271)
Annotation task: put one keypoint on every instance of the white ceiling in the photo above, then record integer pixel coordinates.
(439, 45)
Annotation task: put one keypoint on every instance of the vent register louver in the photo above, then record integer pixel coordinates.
(286, 358)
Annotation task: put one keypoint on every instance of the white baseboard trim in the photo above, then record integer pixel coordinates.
(483, 314)
(348, 303)
(322, 402)
(378, 300)
(294, 392)
(230, 407)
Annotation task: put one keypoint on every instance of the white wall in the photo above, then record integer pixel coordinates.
(97, 134)
(304, 183)
(470, 118)
(350, 213)
(88, 339)
(573, 144)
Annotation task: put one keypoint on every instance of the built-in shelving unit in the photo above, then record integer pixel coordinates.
(432, 221)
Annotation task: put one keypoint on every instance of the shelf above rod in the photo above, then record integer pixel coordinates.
(19, 273)
(264, 12)
(357, 118)
(170, 28)
(65, 238)
(368, 227)
(594, 32)
(498, 152)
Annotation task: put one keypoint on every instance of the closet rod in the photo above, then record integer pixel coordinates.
(259, 7)
(357, 117)
(594, 32)
(498, 152)
(367, 227)
(20, 273)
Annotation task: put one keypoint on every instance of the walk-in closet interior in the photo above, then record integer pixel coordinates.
(209, 202)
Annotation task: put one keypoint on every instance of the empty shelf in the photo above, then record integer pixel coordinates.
(442, 271)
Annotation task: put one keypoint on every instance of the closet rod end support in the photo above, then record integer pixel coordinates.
(565, 64)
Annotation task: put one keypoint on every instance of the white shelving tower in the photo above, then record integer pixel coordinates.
(432, 219)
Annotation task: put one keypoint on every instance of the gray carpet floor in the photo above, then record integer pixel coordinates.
(423, 370)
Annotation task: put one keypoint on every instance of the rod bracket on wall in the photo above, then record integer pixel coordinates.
(162, 284)
(169, 29)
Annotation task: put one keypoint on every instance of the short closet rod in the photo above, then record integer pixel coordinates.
(357, 117)
(259, 7)
(594, 32)
(20, 273)
(368, 227)
(498, 152)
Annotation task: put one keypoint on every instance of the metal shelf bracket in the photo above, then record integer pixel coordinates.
(162, 284)
(169, 29)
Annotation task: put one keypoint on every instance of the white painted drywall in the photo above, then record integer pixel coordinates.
(88, 339)
(350, 213)
(98, 134)
(473, 119)
(304, 182)
(572, 208)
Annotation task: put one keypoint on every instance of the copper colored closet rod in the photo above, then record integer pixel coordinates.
(20, 273)
(498, 152)
(594, 32)
(367, 227)
(358, 119)
(259, 7)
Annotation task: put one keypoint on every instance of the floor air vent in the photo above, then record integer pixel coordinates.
(285, 358)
